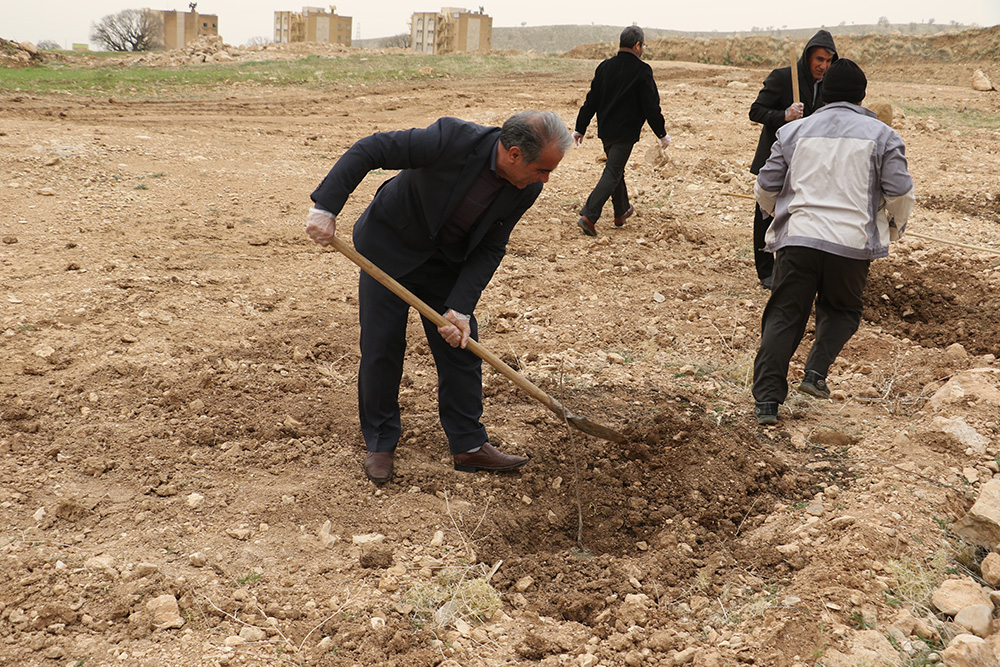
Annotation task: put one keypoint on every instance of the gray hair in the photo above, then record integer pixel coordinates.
(532, 131)
(631, 36)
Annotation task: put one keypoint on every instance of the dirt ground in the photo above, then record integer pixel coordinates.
(179, 404)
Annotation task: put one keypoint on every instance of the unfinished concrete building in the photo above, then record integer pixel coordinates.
(182, 28)
(312, 24)
(452, 30)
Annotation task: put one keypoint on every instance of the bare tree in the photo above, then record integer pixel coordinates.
(128, 30)
(402, 41)
(48, 45)
(259, 41)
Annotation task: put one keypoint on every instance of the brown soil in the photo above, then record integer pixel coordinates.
(179, 410)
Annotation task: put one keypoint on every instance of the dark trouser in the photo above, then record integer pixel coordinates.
(383, 343)
(612, 182)
(800, 275)
(763, 260)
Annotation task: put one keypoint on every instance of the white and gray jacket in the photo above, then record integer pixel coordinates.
(836, 181)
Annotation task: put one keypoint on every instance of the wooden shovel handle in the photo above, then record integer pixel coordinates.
(473, 346)
(795, 74)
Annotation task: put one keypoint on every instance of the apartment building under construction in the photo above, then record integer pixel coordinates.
(452, 30)
(312, 24)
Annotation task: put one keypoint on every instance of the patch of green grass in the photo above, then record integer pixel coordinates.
(320, 72)
(250, 578)
(859, 622)
(955, 117)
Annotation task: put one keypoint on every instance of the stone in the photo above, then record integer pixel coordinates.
(326, 536)
(143, 570)
(242, 534)
(960, 430)
(969, 386)
(105, 563)
(981, 82)
(832, 438)
(956, 352)
(164, 612)
(375, 555)
(883, 111)
(249, 633)
(953, 595)
(976, 619)
(969, 651)
(868, 647)
(990, 568)
(981, 525)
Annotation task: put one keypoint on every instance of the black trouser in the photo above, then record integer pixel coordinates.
(612, 182)
(801, 275)
(383, 344)
(763, 260)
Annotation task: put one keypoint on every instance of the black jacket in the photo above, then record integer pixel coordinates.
(439, 164)
(776, 96)
(623, 94)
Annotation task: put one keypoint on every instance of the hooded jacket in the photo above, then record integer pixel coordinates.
(776, 96)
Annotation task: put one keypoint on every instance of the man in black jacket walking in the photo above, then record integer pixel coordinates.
(773, 108)
(623, 95)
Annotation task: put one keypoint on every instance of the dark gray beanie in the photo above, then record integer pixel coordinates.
(844, 82)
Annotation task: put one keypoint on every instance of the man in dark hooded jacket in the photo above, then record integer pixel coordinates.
(773, 108)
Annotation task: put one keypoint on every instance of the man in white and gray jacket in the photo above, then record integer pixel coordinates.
(839, 190)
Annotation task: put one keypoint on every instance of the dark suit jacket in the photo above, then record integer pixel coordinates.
(439, 164)
(776, 96)
(623, 94)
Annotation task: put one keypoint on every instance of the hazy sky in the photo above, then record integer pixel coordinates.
(67, 21)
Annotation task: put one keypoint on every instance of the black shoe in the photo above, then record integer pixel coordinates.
(814, 384)
(378, 466)
(765, 282)
(766, 413)
(587, 226)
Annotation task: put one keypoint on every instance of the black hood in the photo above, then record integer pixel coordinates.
(823, 39)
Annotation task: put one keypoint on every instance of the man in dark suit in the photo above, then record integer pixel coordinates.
(440, 228)
(623, 95)
(773, 108)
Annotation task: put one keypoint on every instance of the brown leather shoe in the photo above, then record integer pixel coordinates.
(378, 466)
(620, 220)
(587, 226)
(487, 458)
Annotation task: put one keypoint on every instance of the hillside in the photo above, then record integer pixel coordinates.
(562, 38)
